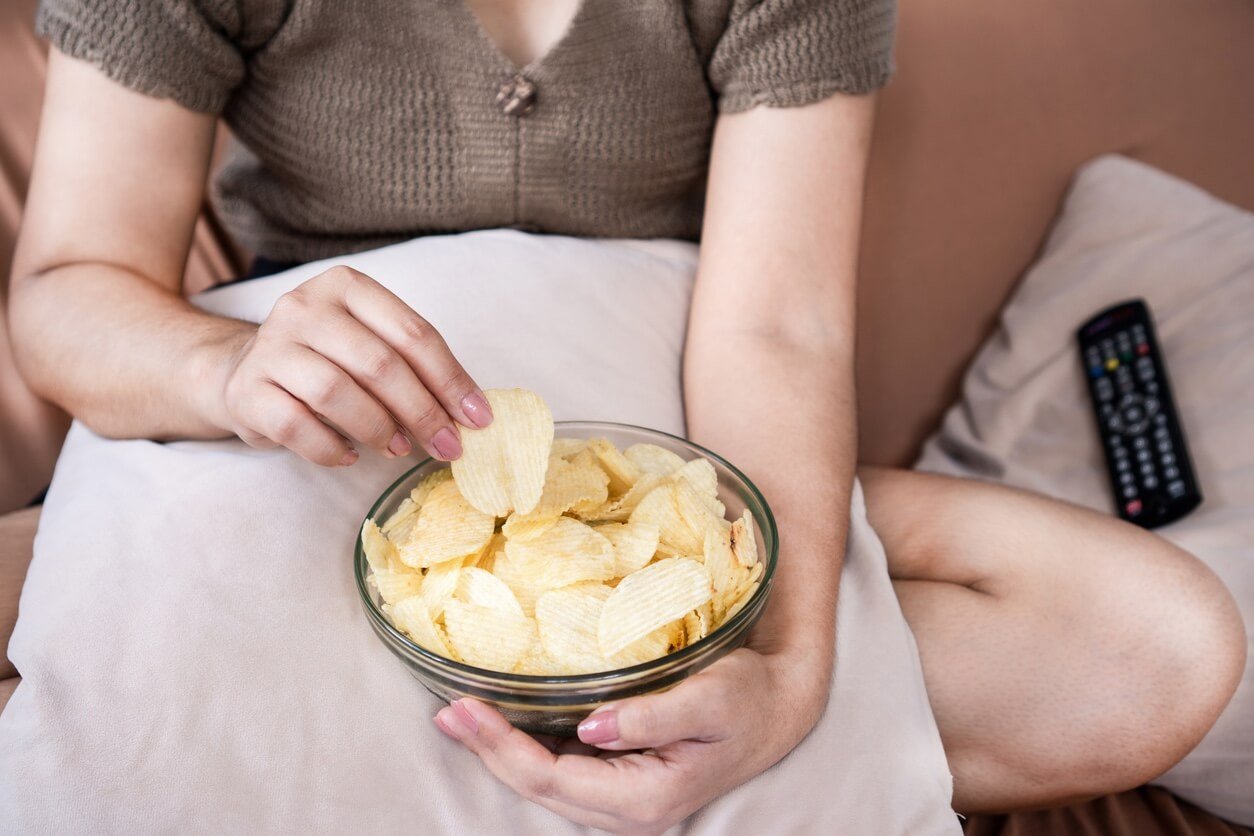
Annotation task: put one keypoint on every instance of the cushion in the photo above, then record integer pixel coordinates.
(194, 655)
(1128, 230)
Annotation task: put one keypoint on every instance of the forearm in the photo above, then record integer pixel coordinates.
(125, 356)
(784, 413)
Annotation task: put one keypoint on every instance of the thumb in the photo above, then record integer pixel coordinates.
(696, 709)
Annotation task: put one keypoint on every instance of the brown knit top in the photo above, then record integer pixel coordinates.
(366, 123)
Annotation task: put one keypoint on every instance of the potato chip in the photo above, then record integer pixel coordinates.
(567, 448)
(439, 584)
(650, 458)
(567, 553)
(634, 544)
(413, 618)
(661, 508)
(522, 579)
(740, 600)
(743, 542)
(722, 568)
(698, 515)
(402, 521)
(502, 466)
(379, 550)
(623, 474)
(395, 587)
(653, 646)
(566, 485)
(700, 474)
(475, 586)
(567, 620)
(485, 637)
(448, 527)
(621, 508)
(651, 598)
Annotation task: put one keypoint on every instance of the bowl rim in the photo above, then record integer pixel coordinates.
(746, 612)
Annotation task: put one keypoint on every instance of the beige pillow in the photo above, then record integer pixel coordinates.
(1128, 230)
(194, 655)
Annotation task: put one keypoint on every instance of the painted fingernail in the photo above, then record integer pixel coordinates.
(399, 445)
(475, 405)
(601, 727)
(349, 457)
(446, 444)
(464, 716)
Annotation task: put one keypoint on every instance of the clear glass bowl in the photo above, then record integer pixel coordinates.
(556, 704)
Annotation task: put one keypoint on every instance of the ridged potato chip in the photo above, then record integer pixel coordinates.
(661, 508)
(566, 485)
(650, 458)
(439, 584)
(567, 448)
(448, 527)
(655, 596)
(623, 474)
(567, 553)
(722, 568)
(567, 620)
(634, 544)
(475, 586)
(412, 617)
(379, 550)
(743, 542)
(621, 508)
(502, 466)
(485, 637)
(395, 587)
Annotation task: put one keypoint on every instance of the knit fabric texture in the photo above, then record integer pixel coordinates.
(362, 124)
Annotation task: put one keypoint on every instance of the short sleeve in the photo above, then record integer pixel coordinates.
(787, 53)
(171, 49)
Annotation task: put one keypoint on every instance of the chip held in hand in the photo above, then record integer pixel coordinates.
(502, 466)
(555, 557)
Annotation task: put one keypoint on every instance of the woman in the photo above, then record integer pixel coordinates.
(345, 153)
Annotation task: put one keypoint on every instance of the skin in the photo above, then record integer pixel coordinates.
(774, 293)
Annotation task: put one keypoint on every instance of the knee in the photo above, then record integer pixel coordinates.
(1180, 666)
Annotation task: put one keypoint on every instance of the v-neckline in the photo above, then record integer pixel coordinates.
(537, 65)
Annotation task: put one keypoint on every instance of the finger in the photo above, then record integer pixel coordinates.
(274, 414)
(377, 367)
(696, 709)
(422, 346)
(331, 392)
(588, 783)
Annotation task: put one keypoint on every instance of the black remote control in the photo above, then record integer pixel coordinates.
(1150, 471)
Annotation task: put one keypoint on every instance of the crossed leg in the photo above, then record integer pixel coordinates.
(1067, 654)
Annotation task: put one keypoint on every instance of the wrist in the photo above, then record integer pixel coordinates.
(212, 364)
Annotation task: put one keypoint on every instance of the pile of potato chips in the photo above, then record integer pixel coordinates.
(551, 557)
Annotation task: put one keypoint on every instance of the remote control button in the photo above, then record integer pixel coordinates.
(1129, 491)
(1164, 446)
(1161, 433)
(1105, 389)
(1171, 472)
(1096, 370)
(1168, 459)
(1142, 349)
(1143, 456)
(1176, 488)
(1161, 419)
(1150, 483)
(1115, 423)
(1133, 410)
(1133, 508)
(1112, 364)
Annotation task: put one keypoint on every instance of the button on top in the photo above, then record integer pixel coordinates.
(516, 95)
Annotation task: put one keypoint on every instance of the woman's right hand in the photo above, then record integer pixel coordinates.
(341, 361)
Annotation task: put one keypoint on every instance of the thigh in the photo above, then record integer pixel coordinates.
(1066, 653)
(17, 541)
(993, 107)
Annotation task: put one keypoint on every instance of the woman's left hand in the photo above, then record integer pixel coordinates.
(699, 740)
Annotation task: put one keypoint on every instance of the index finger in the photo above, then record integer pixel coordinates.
(420, 345)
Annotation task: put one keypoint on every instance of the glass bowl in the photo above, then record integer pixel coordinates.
(556, 704)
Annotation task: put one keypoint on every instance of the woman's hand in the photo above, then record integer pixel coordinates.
(642, 764)
(339, 360)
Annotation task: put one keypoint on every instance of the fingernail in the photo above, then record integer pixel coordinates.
(446, 444)
(475, 405)
(601, 727)
(465, 717)
(442, 724)
(349, 457)
(399, 445)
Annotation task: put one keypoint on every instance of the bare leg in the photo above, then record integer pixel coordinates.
(17, 539)
(1067, 654)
